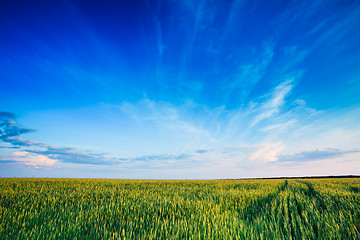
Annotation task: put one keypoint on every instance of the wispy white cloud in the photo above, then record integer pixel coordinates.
(157, 25)
(159, 38)
(251, 73)
(343, 27)
(267, 152)
(163, 115)
(281, 126)
(235, 8)
(274, 103)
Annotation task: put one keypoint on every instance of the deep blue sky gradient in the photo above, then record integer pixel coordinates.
(179, 89)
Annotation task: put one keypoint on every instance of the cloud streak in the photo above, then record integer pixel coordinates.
(314, 155)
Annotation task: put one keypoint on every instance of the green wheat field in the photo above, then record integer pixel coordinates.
(185, 209)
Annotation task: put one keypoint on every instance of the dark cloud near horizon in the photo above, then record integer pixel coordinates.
(9, 147)
(70, 155)
(7, 115)
(22, 142)
(9, 131)
(317, 154)
(7, 161)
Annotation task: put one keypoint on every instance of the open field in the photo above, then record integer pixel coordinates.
(196, 209)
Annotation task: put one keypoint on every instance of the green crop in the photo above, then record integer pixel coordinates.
(194, 209)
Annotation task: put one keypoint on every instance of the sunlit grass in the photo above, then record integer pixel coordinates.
(201, 209)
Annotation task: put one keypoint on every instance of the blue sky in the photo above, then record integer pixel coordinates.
(179, 89)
